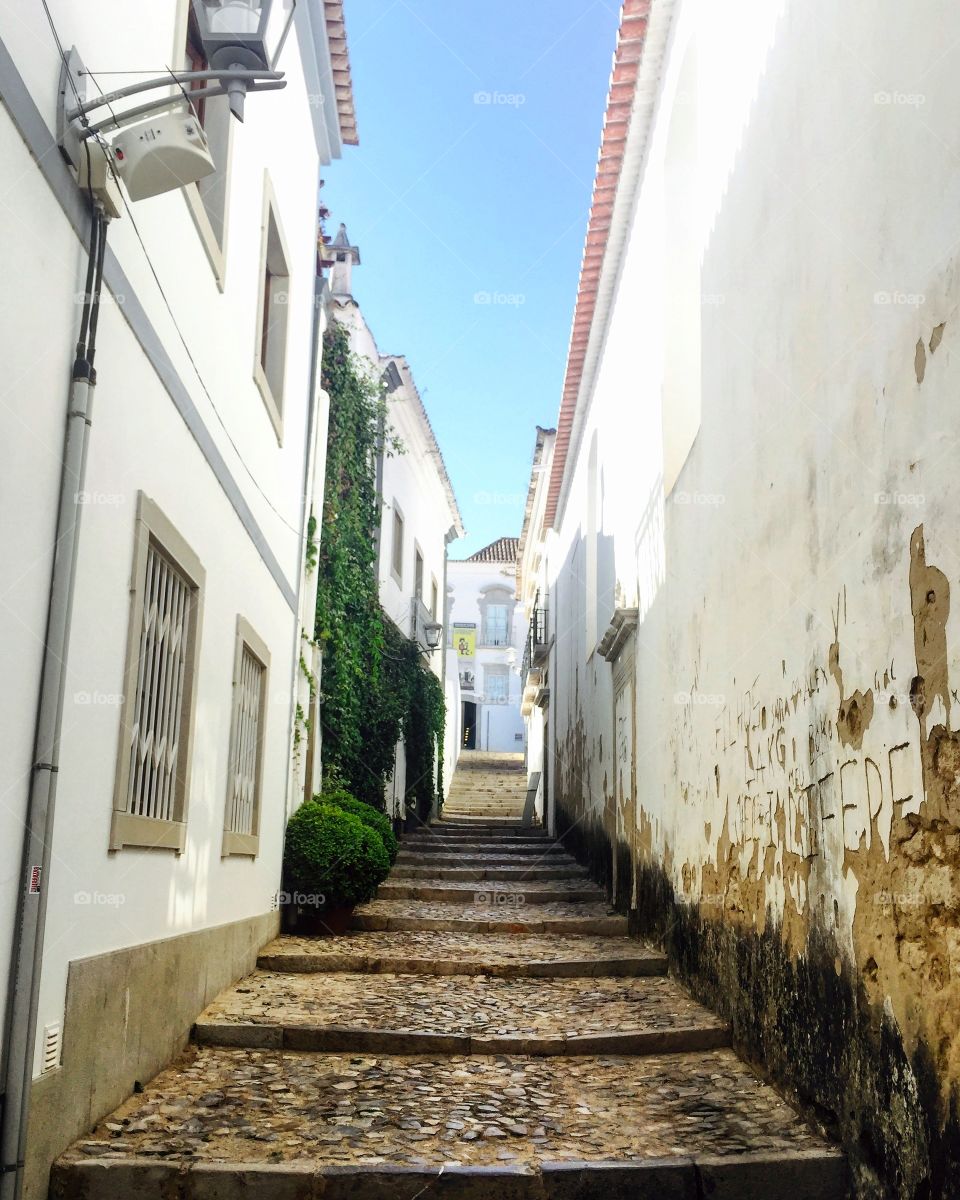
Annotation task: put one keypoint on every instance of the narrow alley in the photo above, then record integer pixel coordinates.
(488, 1028)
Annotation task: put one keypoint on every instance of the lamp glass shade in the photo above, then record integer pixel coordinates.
(433, 632)
(258, 28)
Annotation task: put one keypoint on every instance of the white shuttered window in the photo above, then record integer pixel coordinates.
(241, 824)
(150, 799)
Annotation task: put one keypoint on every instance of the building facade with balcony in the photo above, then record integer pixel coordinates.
(419, 513)
(486, 636)
(174, 762)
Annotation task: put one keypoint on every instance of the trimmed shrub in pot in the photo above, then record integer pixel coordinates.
(331, 862)
(367, 813)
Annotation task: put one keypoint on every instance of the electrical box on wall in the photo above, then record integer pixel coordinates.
(160, 154)
(95, 173)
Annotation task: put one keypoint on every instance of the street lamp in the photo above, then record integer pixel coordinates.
(242, 35)
(432, 633)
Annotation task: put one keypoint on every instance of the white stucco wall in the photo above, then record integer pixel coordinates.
(779, 581)
(140, 442)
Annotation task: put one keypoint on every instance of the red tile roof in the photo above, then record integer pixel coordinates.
(503, 550)
(340, 60)
(623, 85)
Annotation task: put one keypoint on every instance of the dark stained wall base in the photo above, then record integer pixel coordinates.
(809, 1027)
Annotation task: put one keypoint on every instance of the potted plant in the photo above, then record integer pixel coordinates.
(369, 815)
(332, 862)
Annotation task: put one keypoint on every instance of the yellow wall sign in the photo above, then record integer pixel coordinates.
(465, 640)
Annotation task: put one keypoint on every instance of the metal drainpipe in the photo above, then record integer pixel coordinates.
(21, 1024)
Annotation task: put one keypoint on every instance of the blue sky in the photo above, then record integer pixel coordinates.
(468, 196)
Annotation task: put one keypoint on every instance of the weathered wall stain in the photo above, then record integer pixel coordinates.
(822, 914)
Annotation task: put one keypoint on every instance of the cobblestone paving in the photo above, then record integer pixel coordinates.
(456, 1005)
(248, 1105)
(482, 1103)
(509, 911)
(490, 949)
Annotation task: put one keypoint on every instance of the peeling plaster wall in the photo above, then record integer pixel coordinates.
(794, 834)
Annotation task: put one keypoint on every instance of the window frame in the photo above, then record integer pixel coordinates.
(215, 248)
(419, 571)
(266, 277)
(246, 844)
(396, 559)
(132, 830)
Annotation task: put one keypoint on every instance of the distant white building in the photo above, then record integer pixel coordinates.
(486, 634)
(419, 516)
(532, 591)
(153, 883)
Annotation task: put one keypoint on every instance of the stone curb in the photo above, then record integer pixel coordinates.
(791, 1175)
(345, 1039)
(601, 926)
(641, 965)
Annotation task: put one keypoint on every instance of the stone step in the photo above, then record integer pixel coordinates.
(509, 917)
(222, 1124)
(500, 894)
(483, 833)
(442, 860)
(403, 1014)
(500, 955)
(426, 868)
(431, 845)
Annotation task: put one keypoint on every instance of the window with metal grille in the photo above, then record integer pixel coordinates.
(241, 824)
(152, 772)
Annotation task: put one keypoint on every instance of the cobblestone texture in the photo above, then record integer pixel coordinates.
(247, 1105)
(362, 951)
(453, 1005)
(565, 1068)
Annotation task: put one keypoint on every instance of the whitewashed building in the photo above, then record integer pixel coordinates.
(532, 593)
(419, 514)
(486, 633)
(751, 539)
(175, 760)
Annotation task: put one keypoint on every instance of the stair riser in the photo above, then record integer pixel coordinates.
(503, 901)
(346, 1040)
(601, 926)
(610, 968)
(480, 874)
(798, 1175)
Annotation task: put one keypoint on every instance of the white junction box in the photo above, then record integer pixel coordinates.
(163, 152)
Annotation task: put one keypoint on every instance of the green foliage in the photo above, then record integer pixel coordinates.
(331, 852)
(423, 742)
(378, 821)
(312, 550)
(375, 688)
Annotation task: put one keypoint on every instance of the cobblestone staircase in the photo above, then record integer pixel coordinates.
(487, 1032)
(487, 785)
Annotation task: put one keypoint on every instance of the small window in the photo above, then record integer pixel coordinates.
(496, 625)
(396, 565)
(241, 826)
(434, 599)
(207, 199)
(418, 575)
(150, 799)
(271, 361)
(496, 685)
